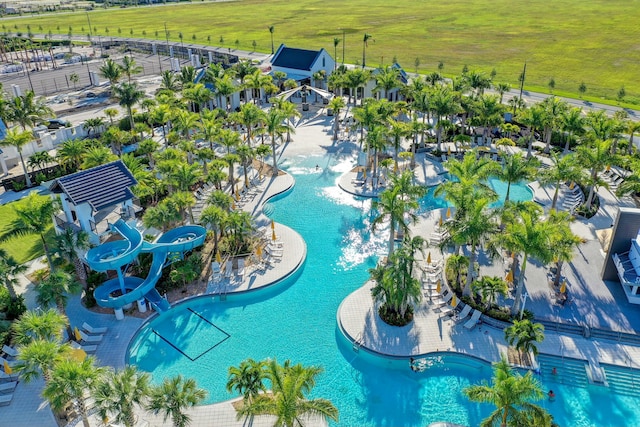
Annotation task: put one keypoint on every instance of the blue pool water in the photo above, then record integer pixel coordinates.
(297, 320)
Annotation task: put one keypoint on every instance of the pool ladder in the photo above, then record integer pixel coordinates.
(357, 343)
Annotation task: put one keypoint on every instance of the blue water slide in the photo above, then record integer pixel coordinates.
(113, 255)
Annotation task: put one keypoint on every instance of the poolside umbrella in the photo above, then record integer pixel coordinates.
(77, 354)
(259, 251)
(438, 286)
(7, 368)
(273, 225)
(429, 258)
(572, 185)
(509, 277)
(76, 333)
(563, 287)
(273, 235)
(449, 151)
(235, 193)
(364, 173)
(218, 258)
(454, 301)
(449, 212)
(440, 221)
(608, 168)
(233, 205)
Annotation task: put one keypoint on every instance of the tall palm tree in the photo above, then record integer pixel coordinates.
(555, 109)
(128, 95)
(336, 42)
(488, 112)
(474, 228)
(534, 118)
(562, 169)
(595, 157)
(387, 79)
(632, 128)
(27, 110)
(129, 67)
(287, 402)
(184, 176)
(455, 266)
(336, 105)
(73, 381)
(34, 215)
(38, 358)
(274, 127)
(531, 236)
(96, 156)
(118, 393)
(443, 103)
(572, 122)
(271, 30)
(564, 241)
(524, 335)
(175, 395)
(213, 217)
(511, 394)
(289, 111)
(18, 139)
(516, 168)
(365, 43)
(55, 290)
(248, 379)
(502, 88)
(489, 287)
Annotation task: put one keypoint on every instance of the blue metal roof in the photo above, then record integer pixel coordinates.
(102, 186)
(295, 59)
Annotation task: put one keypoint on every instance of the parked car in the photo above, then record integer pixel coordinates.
(57, 123)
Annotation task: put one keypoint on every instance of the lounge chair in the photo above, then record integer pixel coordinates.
(215, 267)
(275, 253)
(463, 314)
(443, 301)
(89, 338)
(446, 310)
(240, 270)
(9, 351)
(471, 323)
(276, 244)
(85, 348)
(10, 386)
(11, 363)
(11, 377)
(94, 331)
(228, 269)
(6, 399)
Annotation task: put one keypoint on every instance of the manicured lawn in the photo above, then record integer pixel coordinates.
(571, 41)
(22, 248)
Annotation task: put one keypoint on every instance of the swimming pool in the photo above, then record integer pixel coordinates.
(297, 320)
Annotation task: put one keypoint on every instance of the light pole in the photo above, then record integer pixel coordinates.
(524, 301)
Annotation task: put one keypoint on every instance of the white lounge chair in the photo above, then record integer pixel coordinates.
(85, 348)
(94, 331)
(463, 314)
(275, 253)
(240, 270)
(9, 351)
(228, 269)
(10, 386)
(6, 399)
(90, 338)
(11, 377)
(471, 323)
(444, 300)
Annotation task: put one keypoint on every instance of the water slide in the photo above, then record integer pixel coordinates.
(117, 254)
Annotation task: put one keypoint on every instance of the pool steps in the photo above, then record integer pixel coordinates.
(623, 380)
(568, 371)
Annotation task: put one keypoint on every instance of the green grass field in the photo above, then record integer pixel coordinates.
(21, 248)
(571, 41)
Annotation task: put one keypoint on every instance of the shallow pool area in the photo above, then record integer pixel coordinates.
(296, 320)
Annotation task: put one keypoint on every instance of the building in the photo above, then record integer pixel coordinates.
(301, 64)
(622, 263)
(94, 198)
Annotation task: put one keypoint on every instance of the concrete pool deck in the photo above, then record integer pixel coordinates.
(429, 332)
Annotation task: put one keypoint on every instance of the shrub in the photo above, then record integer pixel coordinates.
(16, 308)
(500, 314)
(394, 318)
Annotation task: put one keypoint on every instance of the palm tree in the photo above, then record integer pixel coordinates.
(55, 289)
(274, 127)
(488, 112)
(184, 176)
(169, 82)
(38, 358)
(365, 43)
(564, 241)
(118, 392)
(516, 168)
(27, 110)
(455, 266)
(475, 226)
(9, 270)
(129, 67)
(72, 381)
(289, 111)
(511, 394)
(247, 379)
(387, 79)
(250, 115)
(595, 157)
(287, 402)
(40, 160)
(128, 95)
(396, 203)
(531, 236)
(92, 124)
(502, 88)
(175, 395)
(111, 71)
(573, 123)
(15, 138)
(214, 217)
(34, 215)
(336, 42)
(523, 335)
(488, 287)
(336, 105)
(443, 104)
(563, 169)
(632, 128)
(96, 156)
(271, 30)
(46, 325)
(534, 118)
